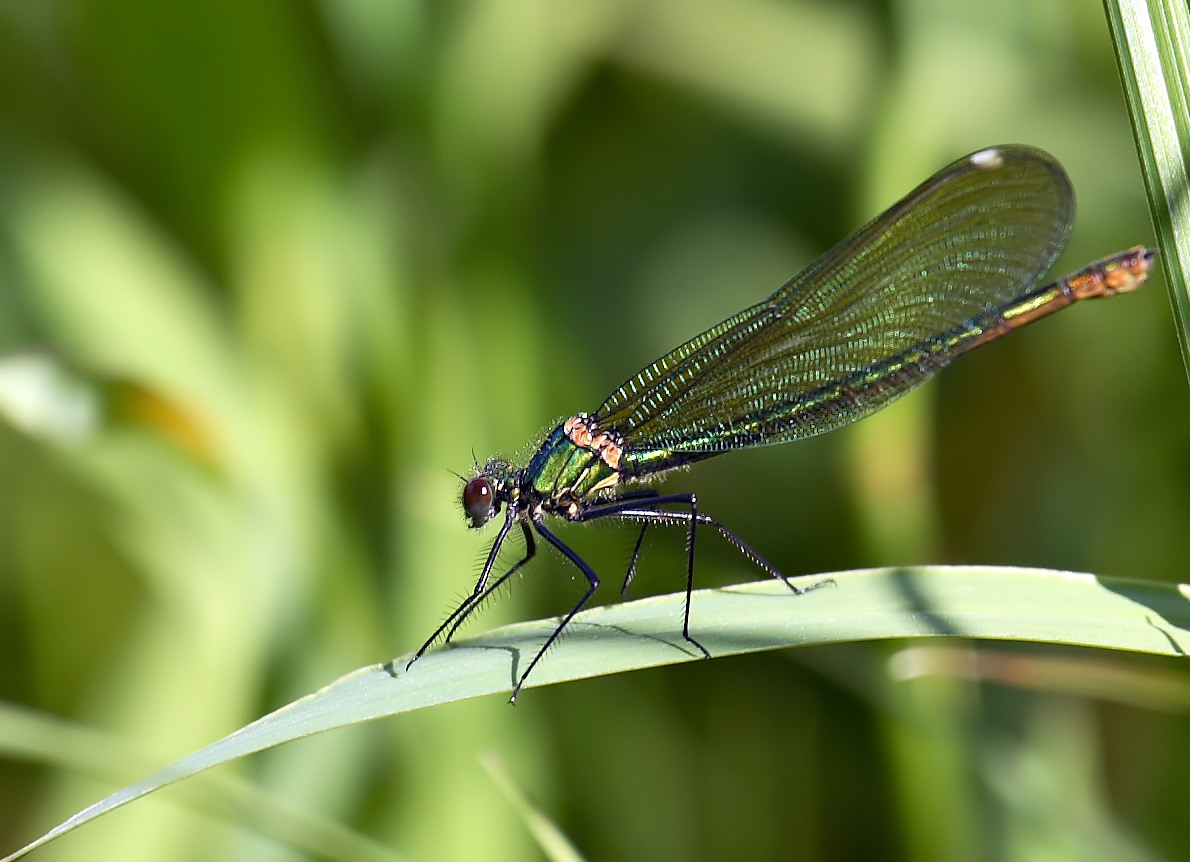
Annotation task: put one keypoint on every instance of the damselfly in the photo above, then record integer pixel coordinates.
(948, 268)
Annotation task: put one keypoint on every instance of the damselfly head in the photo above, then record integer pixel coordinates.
(479, 501)
(483, 495)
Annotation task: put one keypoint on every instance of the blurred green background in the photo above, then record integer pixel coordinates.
(270, 271)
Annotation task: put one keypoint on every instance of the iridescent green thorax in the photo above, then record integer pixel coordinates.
(575, 462)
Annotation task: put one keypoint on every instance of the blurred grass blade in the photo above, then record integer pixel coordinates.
(974, 602)
(1083, 676)
(37, 737)
(552, 841)
(1152, 40)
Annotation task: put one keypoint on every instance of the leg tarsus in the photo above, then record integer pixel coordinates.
(801, 591)
(705, 652)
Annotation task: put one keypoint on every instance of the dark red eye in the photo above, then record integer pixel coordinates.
(478, 502)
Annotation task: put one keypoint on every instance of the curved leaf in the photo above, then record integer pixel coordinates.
(971, 602)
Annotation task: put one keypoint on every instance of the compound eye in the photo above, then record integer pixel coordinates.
(478, 501)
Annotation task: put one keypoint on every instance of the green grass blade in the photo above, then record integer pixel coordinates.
(972, 602)
(1085, 675)
(1152, 39)
(552, 842)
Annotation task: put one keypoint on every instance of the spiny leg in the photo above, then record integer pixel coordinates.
(690, 576)
(459, 614)
(623, 507)
(634, 496)
(626, 508)
(631, 573)
(593, 584)
(477, 600)
(682, 518)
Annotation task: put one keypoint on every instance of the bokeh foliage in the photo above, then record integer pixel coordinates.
(288, 264)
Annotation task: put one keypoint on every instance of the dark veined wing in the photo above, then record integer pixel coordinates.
(866, 322)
